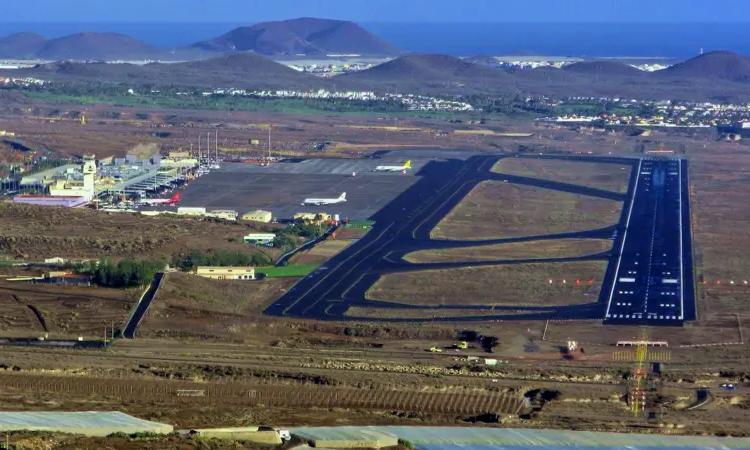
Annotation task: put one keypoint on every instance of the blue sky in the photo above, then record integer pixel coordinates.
(251, 11)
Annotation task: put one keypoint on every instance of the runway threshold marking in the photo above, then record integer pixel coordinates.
(624, 237)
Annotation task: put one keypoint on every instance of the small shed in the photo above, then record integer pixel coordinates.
(258, 215)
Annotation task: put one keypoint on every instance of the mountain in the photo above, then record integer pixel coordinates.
(713, 65)
(21, 45)
(244, 70)
(428, 67)
(603, 68)
(97, 46)
(485, 60)
(547, 75)
(430, 73)
(307, 36)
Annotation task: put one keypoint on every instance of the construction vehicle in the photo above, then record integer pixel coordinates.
(436, 350)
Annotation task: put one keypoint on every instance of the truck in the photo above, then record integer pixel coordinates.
(285, 435)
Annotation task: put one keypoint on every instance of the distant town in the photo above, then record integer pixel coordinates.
(662, 113)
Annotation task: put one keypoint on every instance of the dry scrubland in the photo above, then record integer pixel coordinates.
(496, 210)
(190, 306)
(600, 175)
(556, 248)
(719, 192)
(322, 252)
(63, 311)
(32, 232)
(516, 284)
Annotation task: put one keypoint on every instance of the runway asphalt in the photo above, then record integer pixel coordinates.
(282, 187)
(403, 225)
(652, 281)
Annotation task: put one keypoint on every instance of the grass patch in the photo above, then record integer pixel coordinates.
(292, 270)
(496, 210)
(518, 285)
(514, 250)
(360, 224)
(614, 177)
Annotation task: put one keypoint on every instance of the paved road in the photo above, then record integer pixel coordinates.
(653, 274)
(135, 320)
(405, 224)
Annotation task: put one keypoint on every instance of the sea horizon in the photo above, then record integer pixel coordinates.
(666, 40)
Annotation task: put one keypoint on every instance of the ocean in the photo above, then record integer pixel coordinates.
(464, 39)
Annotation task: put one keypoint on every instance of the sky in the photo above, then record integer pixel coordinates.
(496, 11)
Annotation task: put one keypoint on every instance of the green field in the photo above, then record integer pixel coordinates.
(248, 104)
(292, 270)
(360, 224)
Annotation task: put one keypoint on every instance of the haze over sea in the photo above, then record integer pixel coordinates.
(464, 39)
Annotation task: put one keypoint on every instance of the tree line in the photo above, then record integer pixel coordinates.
(123, 274)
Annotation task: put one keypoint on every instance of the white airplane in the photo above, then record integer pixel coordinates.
(162, 201)
(407, 165)
(324, 201)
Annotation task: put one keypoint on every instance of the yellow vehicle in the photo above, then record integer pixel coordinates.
(463, 345)
(436, 350)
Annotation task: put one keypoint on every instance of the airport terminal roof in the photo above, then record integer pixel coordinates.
(453, 438)
(91, 423)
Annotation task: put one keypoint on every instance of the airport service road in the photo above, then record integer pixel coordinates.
(653, 276)
(405, 224)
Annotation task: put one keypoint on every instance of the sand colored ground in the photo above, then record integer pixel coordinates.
(518, 284)
(614, 177)
(496, 210)
(514, 250)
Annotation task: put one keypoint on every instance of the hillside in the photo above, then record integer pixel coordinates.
(603, 68)
(485, 60)
(307, 36)
(547, 75)
(713, 65)
(426, 71)
(244, 70)
(97, 46)
(21, 45)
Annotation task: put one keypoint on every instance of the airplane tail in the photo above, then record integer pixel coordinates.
(343, 196)
(176, 197)
(408, 164)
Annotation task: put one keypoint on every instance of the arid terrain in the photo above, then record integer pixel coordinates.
(211, 335)
(31, 233)
(495, 210)
(515, 285)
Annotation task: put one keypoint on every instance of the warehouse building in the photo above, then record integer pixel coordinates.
(226, 273)
(46, 200)
(258, 216)
(226, 214)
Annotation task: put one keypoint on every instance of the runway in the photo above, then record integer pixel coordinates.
(652, 281)
(404, 224)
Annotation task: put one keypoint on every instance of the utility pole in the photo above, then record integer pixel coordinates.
(269, 141)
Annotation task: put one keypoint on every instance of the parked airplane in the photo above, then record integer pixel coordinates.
(325, 201)
(162, 201)
(407, 165)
